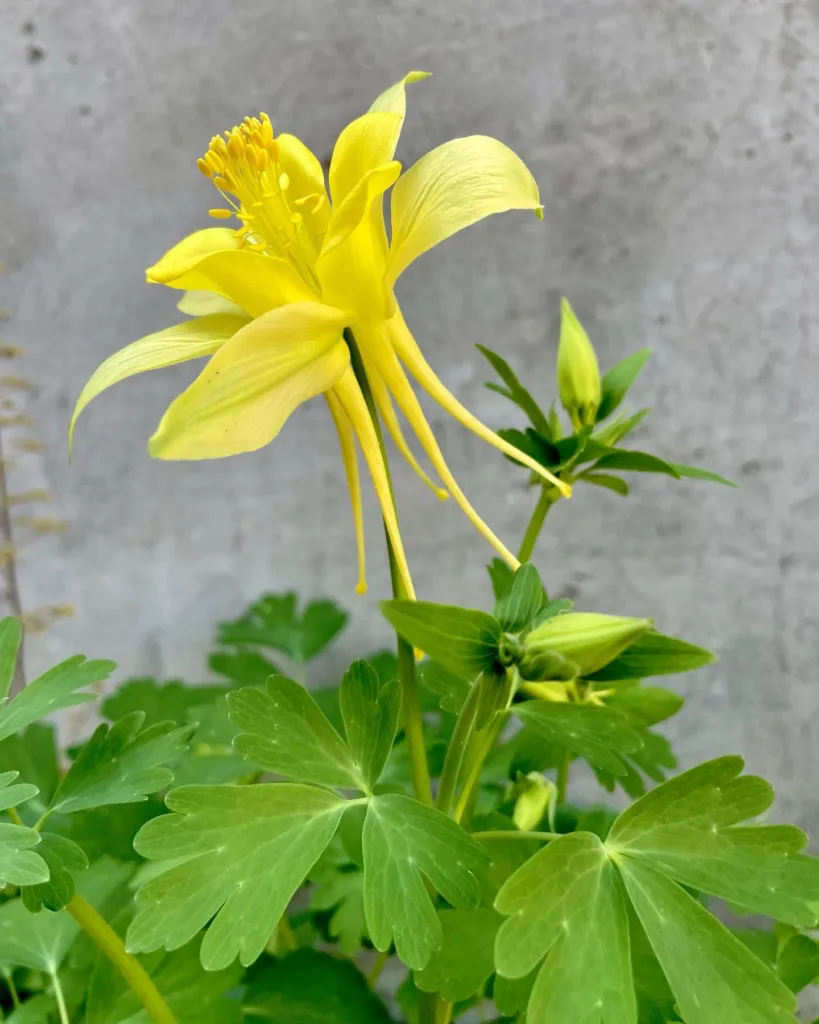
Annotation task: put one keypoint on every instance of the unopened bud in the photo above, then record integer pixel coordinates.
(578, 375)
(536, 796)
(590, 640)
(539, 666)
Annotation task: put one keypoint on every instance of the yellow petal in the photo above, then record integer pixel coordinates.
(255, 281)
(306, 176)
(366, 143)
(346, 440)
(394, 99)
(203, 303)
(358, 203)
(377, 354)
(190, 251)
(410, 354)
(189, 340)
(352, 401)
(245, 394)
(450, 188)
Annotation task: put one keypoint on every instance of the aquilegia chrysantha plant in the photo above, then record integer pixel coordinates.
(258, 850)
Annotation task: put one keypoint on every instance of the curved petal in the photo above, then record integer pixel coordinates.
(366, 143)
(199, 303)
(346, 440)
(245, 394)
(306, 176)
(358, 203)
(190, 251)
(352, 401)
(255, 281)
(450, 188)
(189, 340)
(402, 341)
(394, 99)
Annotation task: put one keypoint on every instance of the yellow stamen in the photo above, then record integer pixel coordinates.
(220, 214)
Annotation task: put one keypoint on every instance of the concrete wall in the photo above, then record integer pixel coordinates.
(675, 145)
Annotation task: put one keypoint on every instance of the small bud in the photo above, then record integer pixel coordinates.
(536, 796)
(510, 650)
(539, 666)
(578, 375)
(586, 638)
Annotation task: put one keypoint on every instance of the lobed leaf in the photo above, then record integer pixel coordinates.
(466, 959)
(274, 621)
(463, 640)
(516, 609)
(370, 712)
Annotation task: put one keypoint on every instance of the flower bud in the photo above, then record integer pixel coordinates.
(586, 638)
(536, 796)
(538, 666)
(578, 375)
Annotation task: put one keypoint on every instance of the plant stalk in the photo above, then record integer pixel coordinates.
(410, 697)
(456, 751)
(98, 929)
(548, 496)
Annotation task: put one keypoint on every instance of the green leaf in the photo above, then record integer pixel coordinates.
(236, 852)
(108, 830)
(53, 691)
(619, 428)
(159, 702)
(64, 860)
(405, 840)
(211, 760)
(598, 734)
(516, 392)
(654, 654)
(605, 480)
(19, 864)
(617, 381)
(121, 764)
(566, 903)
(451, 690)
(11, 633)
(520, 605)
(501, 576)
(285, 732)
(645, 705)
(466, 959)
(312, 987)
(274, 621)
(690, 829)
(636, 462)
(533, 444)
(33, 753)
(713, 976)
(247, 668)
(702, 474)
(370, 712)
(464, 640)
(797, 962)
(342, 892)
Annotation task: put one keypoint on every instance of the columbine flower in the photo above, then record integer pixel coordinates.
(271, 299)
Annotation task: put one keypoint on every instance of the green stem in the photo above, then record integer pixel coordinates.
(410, 697)
(563, 769)
(98, 929)
(548, 496)
(377, 968)
(287, 937)
(456, 751)
(59, 995)
(484, 741)
(15, 995)
(545, 837)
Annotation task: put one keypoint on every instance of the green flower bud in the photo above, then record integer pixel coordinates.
(537, 666)
(586, 638)
(578, 375)
(536, 796)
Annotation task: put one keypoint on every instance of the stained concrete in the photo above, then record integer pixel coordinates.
(675, 145)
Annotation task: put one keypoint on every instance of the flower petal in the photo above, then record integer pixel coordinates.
(199, 303)
(255, 281)
(190, 251)
(450, 188)
(352, 401)
(394, 99)
(245, 394)
(357, 204)
(306, 176)
(189, 340)
(366, 143)
(346, 439)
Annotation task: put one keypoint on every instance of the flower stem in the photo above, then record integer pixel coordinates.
(544, 837)
(483, 742)
(456, 751)
(410, 697)
(377, 968)
(548, 496)
(98, 929)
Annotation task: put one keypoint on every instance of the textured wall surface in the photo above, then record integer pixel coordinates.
(675, 145)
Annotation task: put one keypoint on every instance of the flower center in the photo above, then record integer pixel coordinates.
(247, 167)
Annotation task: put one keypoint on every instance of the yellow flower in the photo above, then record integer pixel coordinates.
(271, 299)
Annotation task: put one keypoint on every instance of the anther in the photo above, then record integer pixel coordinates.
(203, 167)
(220, 214)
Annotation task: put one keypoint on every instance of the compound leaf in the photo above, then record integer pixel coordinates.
(370, 712)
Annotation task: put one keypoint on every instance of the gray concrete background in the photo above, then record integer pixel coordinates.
(675, 145)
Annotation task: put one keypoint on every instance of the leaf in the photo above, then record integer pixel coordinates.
(33, 753)
(690, 829)
(520, 605)
(501, 576)
(654, 654)
(645, 705)
(516, 392)
(549, 611)
(55, 690)
(452, 690)
(713, 976)
(121, 764)
(610, 483)
(11, 634)
(108, 830)
(533, 444)
(211, 760)
(370, 712)
(236, 852)
(342, 892)
(636, 462)
(797, 962)
(312, 987)
(274, 621)
(247, 668)
(19, 864)
(64, 860)
(621, 427)
(159, 702)
(598, 734)
(284, 731)
(466, 959)
(464, 640)
(566, 903)
(405, 841)
(617, 381)
(702, 474)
